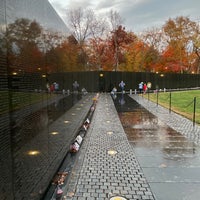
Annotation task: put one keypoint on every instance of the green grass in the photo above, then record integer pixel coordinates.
(182, 102)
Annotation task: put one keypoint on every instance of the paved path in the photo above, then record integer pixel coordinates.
(169, 157)
(175, 121)
(99, 175)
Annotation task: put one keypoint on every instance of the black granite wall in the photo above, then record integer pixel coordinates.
(28, 156)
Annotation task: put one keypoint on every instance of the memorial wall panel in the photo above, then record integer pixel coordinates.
(27, 109)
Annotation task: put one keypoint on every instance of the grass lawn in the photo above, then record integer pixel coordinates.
(182, 102)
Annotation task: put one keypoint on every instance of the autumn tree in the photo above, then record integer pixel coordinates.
(165, 49)
(154, 38)
(85, 25)
(194, 50)
(152, 46)
(104, 46)
(48, 43)
(96, 44)
(63, 57)
(115, 21)
(179, 32)
(96, 51)
(139, 56)
(22, 44)
(119, 41)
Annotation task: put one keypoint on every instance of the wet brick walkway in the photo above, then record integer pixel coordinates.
(175, 121)
(99, 175)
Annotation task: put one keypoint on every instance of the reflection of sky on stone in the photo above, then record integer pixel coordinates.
(146, 131)
(41, 11)
(167, 158)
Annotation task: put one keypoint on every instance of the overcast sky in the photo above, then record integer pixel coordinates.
(138, 15)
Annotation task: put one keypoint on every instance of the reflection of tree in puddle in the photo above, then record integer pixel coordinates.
(178, 147)
(138, 120)
(122, 100)
(140, 126)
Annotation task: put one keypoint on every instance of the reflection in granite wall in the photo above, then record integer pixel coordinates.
(29, 31)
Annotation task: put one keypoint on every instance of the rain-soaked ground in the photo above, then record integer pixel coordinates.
(170, 162)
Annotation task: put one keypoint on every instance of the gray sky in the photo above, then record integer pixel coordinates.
(138, 15)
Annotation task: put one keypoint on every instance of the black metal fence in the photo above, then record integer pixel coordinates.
(192, 104)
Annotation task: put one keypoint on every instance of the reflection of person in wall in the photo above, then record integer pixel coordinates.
(114, 93)
(75, 97)
(52, 88)
(121, 100)
(84, 91)
(75, 86)
(101, 83)
(122, 85)
(56, 86)
(48, 87)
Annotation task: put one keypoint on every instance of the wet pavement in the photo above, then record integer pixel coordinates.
(169, 158)
(106, 166)
(149, 159)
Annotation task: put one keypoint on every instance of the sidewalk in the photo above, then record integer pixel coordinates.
(106, 167)
(173, 120)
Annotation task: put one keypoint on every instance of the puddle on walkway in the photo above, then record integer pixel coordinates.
(170, 162)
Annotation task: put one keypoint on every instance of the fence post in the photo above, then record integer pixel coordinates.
(194, 111)
(157, 98)
(170, 101)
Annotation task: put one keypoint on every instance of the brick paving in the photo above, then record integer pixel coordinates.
(99, 175)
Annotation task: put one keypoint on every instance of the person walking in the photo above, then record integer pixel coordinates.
(122, 86)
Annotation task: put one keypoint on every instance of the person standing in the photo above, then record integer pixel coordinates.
(140, 87)
(122, 85)
(75, 86)
(56, 86)
(114, 92)
(144, 88)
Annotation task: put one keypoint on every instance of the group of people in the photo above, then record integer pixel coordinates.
(121, 86)
(54, 87)
(142, 87)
